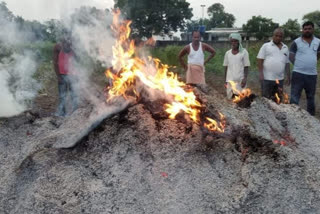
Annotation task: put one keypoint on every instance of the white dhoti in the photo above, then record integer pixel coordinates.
(195, 74)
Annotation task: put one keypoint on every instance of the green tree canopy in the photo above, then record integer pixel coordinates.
(260, 27)
(219, 18)
(5, 13)
(313, 16)
(155, 17)
(292, 29)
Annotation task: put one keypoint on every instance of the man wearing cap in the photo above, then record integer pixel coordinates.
(196, 62)
(273, 64)
(236, 63)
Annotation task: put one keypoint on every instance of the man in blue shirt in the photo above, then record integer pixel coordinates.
(304, 54)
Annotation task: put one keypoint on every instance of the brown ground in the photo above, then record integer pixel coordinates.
(46, 104)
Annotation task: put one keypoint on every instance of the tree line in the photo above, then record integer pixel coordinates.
(51, 30)
(161, 17)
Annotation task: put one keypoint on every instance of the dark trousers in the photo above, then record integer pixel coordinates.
(308, 83)
(66, 84)
(270, 88)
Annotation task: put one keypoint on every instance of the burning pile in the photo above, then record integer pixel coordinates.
(131, 75)
(242, 98)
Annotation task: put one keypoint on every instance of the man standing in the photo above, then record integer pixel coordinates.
(273, 63)
(304, 53)
(63, 57)
(196, 63)
(236, 63)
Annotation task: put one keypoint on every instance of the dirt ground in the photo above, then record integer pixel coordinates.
(46, 104)
(217, 81)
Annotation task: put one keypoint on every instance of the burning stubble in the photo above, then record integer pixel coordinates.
(134, 73)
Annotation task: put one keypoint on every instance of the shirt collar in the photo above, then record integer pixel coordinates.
(305, 40)
(273, 44)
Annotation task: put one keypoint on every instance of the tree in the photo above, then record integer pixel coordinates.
(292, 29)
(53, 28)
(155, 17)
(219, 18)
(315, 18)
(260, 27)
(5, 14)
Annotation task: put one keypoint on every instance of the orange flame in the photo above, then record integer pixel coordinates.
(132, 72)
(278, 100)
(285, 96)
(240, 95)
(214, 125)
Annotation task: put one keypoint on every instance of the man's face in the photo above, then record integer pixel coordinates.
(66, 43)
(196, 37)
(234, 44)
(277, 37)
(307, 31)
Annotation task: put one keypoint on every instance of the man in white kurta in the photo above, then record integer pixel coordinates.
(236, 63)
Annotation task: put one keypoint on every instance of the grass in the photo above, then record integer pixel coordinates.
(169, 55)
(215, 70)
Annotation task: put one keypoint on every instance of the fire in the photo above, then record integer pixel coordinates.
(133, 71)
(278, 100)
(214, 126)
(281, 142)
(285, 97)
(240, 95)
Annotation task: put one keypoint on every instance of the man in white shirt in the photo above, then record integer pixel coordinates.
(236, 63)
(273, 63)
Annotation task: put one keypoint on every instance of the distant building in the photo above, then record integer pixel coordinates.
(166, 37)
(218, 34)
(222, 34)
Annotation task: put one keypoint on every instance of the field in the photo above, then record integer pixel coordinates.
(168, 55)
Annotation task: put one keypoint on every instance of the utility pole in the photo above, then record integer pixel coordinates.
(202, 6)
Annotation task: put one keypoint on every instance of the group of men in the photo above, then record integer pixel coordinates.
(273, 63)
(273, 58)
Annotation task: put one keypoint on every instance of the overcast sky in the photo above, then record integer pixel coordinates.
(279, 10)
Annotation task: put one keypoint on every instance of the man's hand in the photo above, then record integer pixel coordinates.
(243, 82)
(261, 77)
(59, 79)
(185, 67)
(287, 81)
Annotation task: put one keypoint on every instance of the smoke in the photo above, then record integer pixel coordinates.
(17, 67)
(92, 43)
